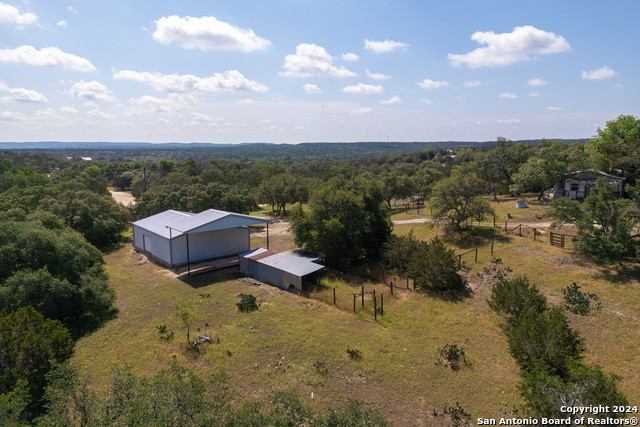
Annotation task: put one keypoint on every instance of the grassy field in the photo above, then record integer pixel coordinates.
(290, 339)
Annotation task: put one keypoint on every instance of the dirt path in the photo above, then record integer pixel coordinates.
(123, 197)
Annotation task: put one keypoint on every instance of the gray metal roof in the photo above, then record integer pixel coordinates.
(158, 223)
(187, 222)
(295, 261)
(213, 219)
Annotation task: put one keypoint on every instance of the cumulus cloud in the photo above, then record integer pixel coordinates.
(10, 116)
(207, 33)
(508, 95)
(312, 60)
(377, 76)
(474, 83)
(533, 94)
(312, 89)
(599, 74)
(48, 56)
(229, 82)
(351, 57)
(536, 82)
(522, 44)
(363, 89)
(92, 90)
(364, 111)
(392, 100)
(62, 23)
(555, 108)
(148, 104)
(383, 47)
(25, 95)
(430, 84)
(11, 15)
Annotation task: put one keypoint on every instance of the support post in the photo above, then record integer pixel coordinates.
(459, 262)
(476, 254)
(267, 236)
(534, 234)
(354, 303)
(492, 248)
(381, 304)
(362, 293)
(391, 288)
(188, 261)
(334, 296)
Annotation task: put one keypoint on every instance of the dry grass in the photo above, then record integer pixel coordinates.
(276, 347)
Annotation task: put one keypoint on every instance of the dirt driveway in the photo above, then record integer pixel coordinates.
(123, 197)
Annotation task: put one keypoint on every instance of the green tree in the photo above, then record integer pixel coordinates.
(436, 270)
(51, 267)
(544, 341)
(100, 219)
(30, 345)
(457, 199)
(343, 222)
(187, 314)
(604, 223)
(398, 251)
(511, 298)
(617, 146)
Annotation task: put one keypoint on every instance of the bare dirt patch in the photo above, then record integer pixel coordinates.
(123, 198)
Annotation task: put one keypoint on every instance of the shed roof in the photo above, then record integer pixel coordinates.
(158, 223)
(294, 261)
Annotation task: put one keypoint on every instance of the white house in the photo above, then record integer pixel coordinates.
(175, 238)
(576, 184)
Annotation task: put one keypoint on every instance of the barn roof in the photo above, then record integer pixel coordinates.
(186, 222)
(213, 219)
(294, 261)
(158, 223)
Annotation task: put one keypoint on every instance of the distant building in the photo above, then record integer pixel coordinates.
(576, 184)
(175, 238)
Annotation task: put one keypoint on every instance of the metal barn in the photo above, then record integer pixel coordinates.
(285, 270)
(175, 238)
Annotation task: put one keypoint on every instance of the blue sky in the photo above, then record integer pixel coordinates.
(315, 70)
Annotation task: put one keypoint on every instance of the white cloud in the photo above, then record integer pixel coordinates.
(312, 60)
(12, 15)
(522, 44)
(199, 117)
(229, 81)
(364, 111)
(363, 89)
(101, 114)
(392, 100)
(508, 95)
(533, 94)
(62, 23)
(474, 83)
(72, 9)
(376, 76)
(151, 104)
(69, 110)
(10, 116)
(25, 95)
(207, 33)
(555, 108)
(536, 82)
(351, 57)
(508, 121)
(430, 84)
(48, 56)
(312, 89)
(599, 74)
(92, 90)
(383, 47)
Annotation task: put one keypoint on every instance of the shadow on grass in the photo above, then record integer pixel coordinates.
(620, 274)
(199, 280)
(449, 295)
(475, 236)
(86, 325)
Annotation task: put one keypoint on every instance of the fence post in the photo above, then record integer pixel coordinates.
(476, 254)
(520, 230)
(375, 310)
(391, 287)
(381, 304)
(494, 222)
(363, 297)
(354, 303)
(334, 295)
(459, 262)
(563, 240)
(534, 234)
(492, 248)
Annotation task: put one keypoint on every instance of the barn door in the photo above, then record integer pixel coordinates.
(146, 243)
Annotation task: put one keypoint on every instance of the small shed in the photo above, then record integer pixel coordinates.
(576, 184)
(286, 269)
(175, 238)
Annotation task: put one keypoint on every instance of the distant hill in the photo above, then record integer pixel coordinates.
(246, 152)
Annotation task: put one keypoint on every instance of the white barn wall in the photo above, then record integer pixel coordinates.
(210, 244)
(159, 245)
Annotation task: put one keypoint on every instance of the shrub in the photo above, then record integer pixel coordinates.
(436, 269)
(248, 303)
(512, 298)
(354, 353)
(579, 302)
(453, 355)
